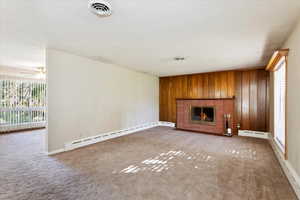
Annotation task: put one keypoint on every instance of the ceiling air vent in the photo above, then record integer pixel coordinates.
(100, 7)
(178, 58)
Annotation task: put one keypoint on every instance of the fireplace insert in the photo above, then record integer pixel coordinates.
(203, 115)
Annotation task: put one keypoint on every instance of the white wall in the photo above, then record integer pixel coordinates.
(87, 98)
(293, 99)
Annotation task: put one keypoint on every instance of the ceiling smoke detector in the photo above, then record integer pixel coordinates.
(100, 7)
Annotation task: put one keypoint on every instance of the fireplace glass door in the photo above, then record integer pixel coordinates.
(203, 115)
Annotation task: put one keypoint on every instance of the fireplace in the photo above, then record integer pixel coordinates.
(203, 115)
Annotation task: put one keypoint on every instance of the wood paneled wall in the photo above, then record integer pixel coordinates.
(252, 99)
(249, 88)
(208, 85)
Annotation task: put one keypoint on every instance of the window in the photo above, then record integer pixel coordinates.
(22, 104)
(279, 104)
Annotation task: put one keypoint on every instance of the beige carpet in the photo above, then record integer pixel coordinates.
(159, 164)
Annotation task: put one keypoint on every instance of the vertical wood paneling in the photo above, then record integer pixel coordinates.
(189, 86)
(248, 87)
(262, 97)
(169, 98)
(173, 97)
(224, 85)
(184, 86)
(246, 100)
(217, 78)
(251, 94)
(253, 100)
(163, 99)
(211, 85)
(199, 86)
(205, 86)
(230, 81)
(238, 97)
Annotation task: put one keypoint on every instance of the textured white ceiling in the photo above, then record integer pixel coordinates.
(145, 35)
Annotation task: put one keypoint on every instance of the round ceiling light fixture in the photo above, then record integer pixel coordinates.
(100, 7)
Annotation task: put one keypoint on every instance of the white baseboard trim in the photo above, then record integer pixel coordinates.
(169, 124)
(256, 134)
(107, 136)
(55, 152)
(289, 171)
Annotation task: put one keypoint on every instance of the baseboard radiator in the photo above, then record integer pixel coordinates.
(256, 134)
(109, 135)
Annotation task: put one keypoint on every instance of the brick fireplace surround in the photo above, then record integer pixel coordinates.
(222, 106)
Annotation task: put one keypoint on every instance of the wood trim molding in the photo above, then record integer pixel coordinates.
(276, 58)
(205, 98)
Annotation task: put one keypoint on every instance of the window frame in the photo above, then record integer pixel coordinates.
(273, 67)
(280, 109)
